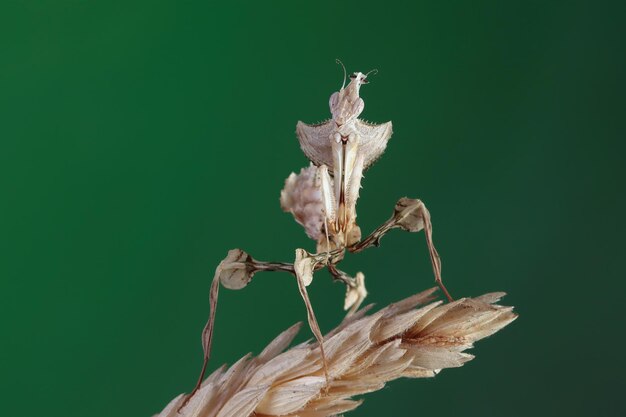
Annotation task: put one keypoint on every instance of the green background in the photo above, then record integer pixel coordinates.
(139, 141)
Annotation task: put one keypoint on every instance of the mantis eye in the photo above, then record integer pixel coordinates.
(353, 76)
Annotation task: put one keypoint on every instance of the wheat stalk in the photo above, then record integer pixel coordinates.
(363, 353)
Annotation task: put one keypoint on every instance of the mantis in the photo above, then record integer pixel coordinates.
(322, 198)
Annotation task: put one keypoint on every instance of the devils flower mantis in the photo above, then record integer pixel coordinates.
(322, 198)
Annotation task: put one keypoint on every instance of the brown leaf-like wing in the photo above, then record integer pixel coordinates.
(373, 140)
(315, 142)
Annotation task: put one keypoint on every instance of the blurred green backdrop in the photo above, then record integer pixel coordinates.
(139, 141)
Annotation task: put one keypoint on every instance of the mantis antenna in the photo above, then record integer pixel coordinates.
(338, 61)
(375, 71)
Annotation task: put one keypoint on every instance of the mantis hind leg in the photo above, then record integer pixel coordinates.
(237, 270)
(304, 266)
(412, 216)
(418, 218)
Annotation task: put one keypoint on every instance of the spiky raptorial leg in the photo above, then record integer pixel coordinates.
(329, 213)
(348, 167)
(355, 287)
(237, 270)
(413, 216)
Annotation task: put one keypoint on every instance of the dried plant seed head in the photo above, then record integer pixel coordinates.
(408, 339)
